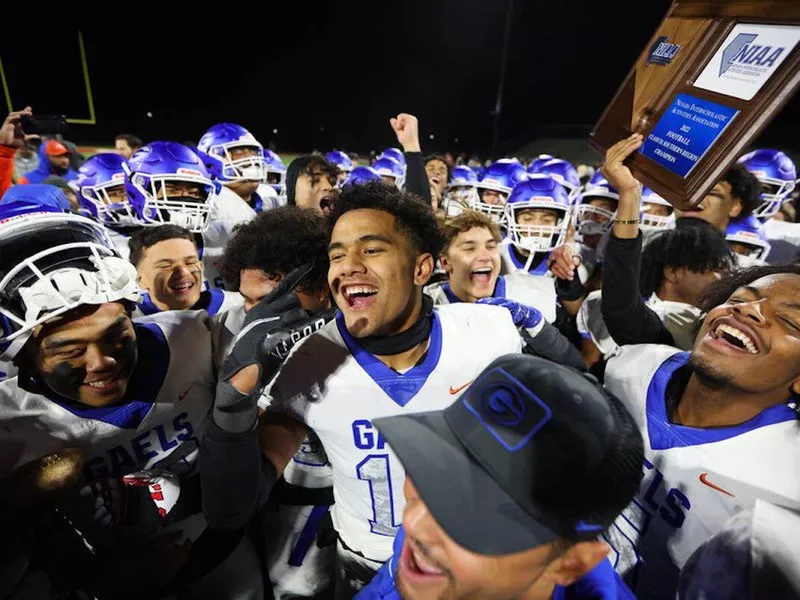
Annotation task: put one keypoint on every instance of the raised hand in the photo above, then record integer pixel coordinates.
(406, 128)
(614, 169)
(11, 133)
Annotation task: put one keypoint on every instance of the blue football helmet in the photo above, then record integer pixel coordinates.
(747, 238)
(498, 180)
(25, 199)
(276, 172)
(460, 193)
(778, 176)
(100, 186)
(538, 162)
(343, 162)
(396, 154)
(236, 155)
(563, 172)
(594, 220)
(537, 214)
(362, 175)
(651, 221)
(153, 173)
(391, 169)
(52, 261)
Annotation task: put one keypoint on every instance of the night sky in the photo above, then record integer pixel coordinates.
(331, 76)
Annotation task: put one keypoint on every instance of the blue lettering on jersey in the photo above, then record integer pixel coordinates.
(141, 450)
(311, 453)
(674, 506)
(365, 437)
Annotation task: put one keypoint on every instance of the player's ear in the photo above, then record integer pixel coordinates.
(577, 561)
(672, 275)
(736, 208)
(795, 387)
(424, 269)
(446, 265)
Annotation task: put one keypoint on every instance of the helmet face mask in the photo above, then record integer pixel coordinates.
(758, 250)
(593, 220)
(500, 177)
(51, 264)
(275, 172)
(495, 211)
(110, 202)
(747, 234)
(234, 153)
(168, 183)
(236, 165)
(536, 238)
(531, 207)
(774, 193)
(777, 174)
(459, 198)
(100, 186)
(651, 221)
(192, 213)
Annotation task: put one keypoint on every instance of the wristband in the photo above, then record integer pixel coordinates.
(627, 221)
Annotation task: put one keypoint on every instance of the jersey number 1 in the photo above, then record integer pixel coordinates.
(375, 471)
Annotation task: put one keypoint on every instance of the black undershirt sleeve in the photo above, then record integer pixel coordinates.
(628, 319)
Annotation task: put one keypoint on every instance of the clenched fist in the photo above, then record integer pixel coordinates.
(406, 128)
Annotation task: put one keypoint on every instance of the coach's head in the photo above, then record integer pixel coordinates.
(509, 487)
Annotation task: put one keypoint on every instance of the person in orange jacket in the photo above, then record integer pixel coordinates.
(11, 139)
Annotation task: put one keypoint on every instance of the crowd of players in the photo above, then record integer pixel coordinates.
(222, 377)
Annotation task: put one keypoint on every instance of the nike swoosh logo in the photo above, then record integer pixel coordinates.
(454, 391)
(183, 395)
(705, 481)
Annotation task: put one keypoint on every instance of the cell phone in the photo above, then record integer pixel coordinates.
(44, 124)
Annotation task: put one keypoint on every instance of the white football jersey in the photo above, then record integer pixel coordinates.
(685, 495)
(530, 290)
(511, 263)
(213, 302)
(337, 388)
(228, 211)
(7, 369)
(120, 241)
(591, 258)
(681, 319)
(158, 425)
(229, 207)
(268, 198)
(784, 239)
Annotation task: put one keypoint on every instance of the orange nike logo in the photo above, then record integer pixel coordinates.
(712, 486)
(454, 391)
(183, 395)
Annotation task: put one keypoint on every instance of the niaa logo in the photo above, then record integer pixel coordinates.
(662, 51)
(741, 50)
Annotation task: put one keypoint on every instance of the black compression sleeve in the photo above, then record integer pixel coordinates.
(416, 179)
(235, 478)
(550, 344)
(628, 319)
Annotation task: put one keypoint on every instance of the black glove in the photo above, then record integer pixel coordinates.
(270, 331)
(279, 309)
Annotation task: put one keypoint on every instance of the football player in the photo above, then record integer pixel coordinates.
(391, 349)
(777, 174)
(236, 159)
(170, 273)
(118, 392)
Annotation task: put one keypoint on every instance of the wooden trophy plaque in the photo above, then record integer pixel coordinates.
(710, 79)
